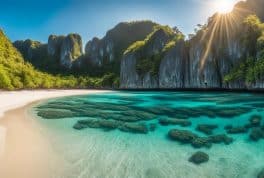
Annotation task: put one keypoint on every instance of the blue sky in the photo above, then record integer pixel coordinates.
(37, 19)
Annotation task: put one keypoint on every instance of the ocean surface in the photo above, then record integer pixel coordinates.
(135, 142)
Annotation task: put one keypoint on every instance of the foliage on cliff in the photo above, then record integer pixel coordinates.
(147, 61)
(252, 67)
(36, 54)
(15, 73)
(109, 50)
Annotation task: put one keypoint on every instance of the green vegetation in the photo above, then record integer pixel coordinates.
(138, 45)
(15, 73)
(252, 67)
(171, 44)
(253, 31)
(151, 63)
(121, 36)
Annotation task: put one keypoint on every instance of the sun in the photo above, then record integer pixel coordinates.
(224, 6)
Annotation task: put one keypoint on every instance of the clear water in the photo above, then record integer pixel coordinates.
(97, 152)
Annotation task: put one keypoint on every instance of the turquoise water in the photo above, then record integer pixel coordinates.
(117, 152)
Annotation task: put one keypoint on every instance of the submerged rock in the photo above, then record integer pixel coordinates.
(255, 120)
(55, 114)
(237, 130)
(152, 127)
(79, 126)
(88, 123)
(256, 134)
(199, 157)
(134, 128)
(182, 136)
(169, 121)
(232, 112)
(141, 115)
(201, 142)
(206, 128)
(187, 137)
(222, 138)
(228, 127)
(109, 124)
(261, 174)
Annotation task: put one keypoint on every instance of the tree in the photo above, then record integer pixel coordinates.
(252, 31)
(5, 81)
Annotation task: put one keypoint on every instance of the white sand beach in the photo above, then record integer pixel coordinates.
(24, 152)
(15, 99)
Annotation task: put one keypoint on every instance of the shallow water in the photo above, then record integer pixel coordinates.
(100, 152)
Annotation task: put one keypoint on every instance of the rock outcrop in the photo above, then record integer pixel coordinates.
(199, 157)
(71, 49)
(141, 62)
(150, 56)
(172, 67)
(60, 50)
(110, 48)
(261, 174)
(54, 45)
(31, 50)
(203, 61)
(68, 48)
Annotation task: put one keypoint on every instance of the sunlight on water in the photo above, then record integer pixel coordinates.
(135, 141)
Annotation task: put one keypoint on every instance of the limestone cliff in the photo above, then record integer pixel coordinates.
(54, 45)
(71, 49)
(31, 50)
(203, 61)
(148, 55)
(66, 48)
(109, 49)
(140, 63)
(61, 51)
(173, 67)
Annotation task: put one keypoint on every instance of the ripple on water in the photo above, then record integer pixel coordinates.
(122, 152)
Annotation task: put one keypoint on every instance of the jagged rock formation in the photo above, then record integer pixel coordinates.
(31, 50)
(68, 48)
(172, 67)
(54, 45)
(201, 62)
(60, 51)
(148, 55)
(136, 66)
(110, 48)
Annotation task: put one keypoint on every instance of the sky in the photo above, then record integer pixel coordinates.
(37, 19)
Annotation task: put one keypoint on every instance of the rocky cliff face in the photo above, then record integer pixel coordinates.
(148, 55)
(68, 48)
(111, 47)
(130, 78)
(133, 74)
(54, 45)
(201, 62)
(31, 50)
(172, 67)
(71, 49)
(60, 50)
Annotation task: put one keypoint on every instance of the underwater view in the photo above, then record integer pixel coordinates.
(156, 134)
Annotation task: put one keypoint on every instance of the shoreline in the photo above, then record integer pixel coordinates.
(31, 153)
(14, 99)
(24, 150)
(195, 90)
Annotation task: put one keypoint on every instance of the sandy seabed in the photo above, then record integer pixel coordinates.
(31, 147)
(24, 151)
